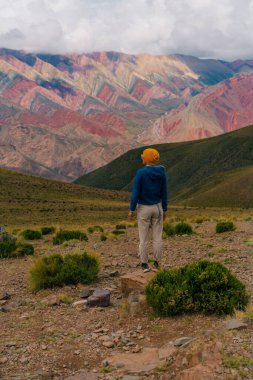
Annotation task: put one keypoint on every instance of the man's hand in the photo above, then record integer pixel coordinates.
(164, 216)
(130, 214)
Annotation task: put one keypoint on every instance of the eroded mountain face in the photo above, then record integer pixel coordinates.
(63, 116)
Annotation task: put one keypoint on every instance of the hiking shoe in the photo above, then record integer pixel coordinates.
(145, 267)
(156, 264)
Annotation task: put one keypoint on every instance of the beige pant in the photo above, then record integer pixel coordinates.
(150, 217)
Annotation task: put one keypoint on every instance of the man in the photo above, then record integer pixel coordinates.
(149, 195)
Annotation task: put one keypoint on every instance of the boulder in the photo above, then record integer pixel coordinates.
(100, 298)
(135, 281)
(85, 293)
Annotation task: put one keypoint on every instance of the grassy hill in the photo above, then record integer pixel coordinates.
(210, 172)
(27, 200)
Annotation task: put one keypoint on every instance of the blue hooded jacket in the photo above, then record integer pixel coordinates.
(150, 187)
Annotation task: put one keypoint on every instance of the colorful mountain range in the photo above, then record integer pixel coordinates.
(65, 115)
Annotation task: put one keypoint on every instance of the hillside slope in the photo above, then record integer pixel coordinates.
(189, 166)
(29, 200)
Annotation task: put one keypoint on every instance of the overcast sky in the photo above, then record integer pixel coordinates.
(204, 28)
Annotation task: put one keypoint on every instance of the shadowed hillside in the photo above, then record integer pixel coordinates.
(199, 172)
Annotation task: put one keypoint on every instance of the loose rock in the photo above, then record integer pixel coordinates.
(99, 298)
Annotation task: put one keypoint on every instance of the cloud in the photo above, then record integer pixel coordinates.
(204, 28)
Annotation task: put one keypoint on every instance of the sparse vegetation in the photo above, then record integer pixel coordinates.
(233, 361)
(103, 237)
(118, 232)
(181, 228)
(97, 228)
(65, 235)
(56, 270)
(31, 234)
(4, 236)
(10, 249)
(168, 229)
(120, 227)
(65, 298)
(47, 230)
(7, 248)
(24, 249)
(224, 227)
(204, 286)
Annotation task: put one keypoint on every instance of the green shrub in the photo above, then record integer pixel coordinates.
(56, 270)
(62, 236)
(169, 229)
(183, 228)
(24, 249)
(31, 234)
(204, 286)
(4, 236)
(224, 227)
(98, 228)
(120, 227)
(180, 228)
(47, 230)
(11, 249)
(7, 248)
(118, 232)
(95, 228)
(103, 237)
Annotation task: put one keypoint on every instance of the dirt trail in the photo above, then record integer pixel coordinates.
(61, 340)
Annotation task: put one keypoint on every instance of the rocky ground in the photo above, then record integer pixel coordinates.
(46, 336)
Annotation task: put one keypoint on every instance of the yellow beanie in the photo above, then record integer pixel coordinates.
(151, 155)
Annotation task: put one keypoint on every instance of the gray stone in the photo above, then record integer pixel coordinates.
(5, 296)
(114, 273)
(234, 324)
(105, 363)
(99, 298)
(85, 293)
(184, 341)
(43, 375)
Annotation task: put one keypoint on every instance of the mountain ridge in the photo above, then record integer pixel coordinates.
(69, 114)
